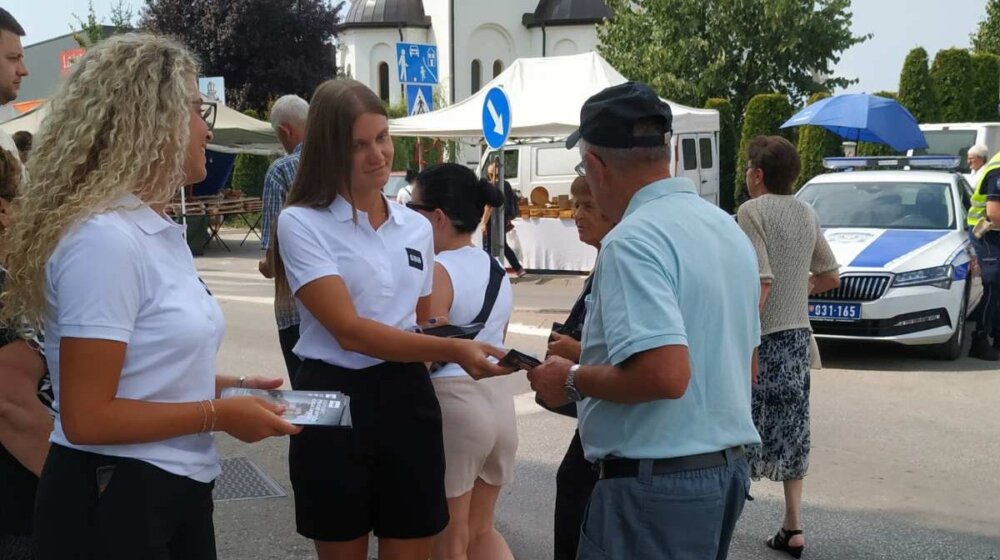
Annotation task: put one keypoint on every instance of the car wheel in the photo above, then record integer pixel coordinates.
(952, 349)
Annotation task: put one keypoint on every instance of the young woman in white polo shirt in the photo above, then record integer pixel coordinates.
(131, 332)
(480, 429)
(361, 269)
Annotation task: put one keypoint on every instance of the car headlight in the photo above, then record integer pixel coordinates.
(939, 277)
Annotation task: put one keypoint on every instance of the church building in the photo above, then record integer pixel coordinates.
(475, 39)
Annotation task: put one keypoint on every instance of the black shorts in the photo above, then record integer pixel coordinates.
(386, 474)
(95, 506)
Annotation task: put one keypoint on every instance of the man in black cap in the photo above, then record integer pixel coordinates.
(669, 342)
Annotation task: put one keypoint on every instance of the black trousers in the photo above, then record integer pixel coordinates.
(288, 338)
(507, 251)
(575, 481)
(95, 507)
(988, 256)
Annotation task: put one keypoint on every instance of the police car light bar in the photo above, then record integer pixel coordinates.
(892, 162)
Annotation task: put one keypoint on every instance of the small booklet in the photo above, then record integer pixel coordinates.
(304, 408)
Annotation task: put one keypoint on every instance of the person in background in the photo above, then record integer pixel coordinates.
(977, 157)
(131, 331)
(12, 71)
(361, 268)
(288, 118)
(576, 476)
(405, 194)
(509, 213)
(985, 209)
(22, 139)
(480, 429)
(25, 404)
(664, 407)
(794, 260)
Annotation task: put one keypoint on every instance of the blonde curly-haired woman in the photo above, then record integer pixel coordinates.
(131, 332)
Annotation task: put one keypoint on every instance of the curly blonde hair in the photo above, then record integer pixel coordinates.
(119, 124)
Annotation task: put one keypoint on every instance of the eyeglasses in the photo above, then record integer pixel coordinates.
(420, 207)
(581, 169)
(208, 111)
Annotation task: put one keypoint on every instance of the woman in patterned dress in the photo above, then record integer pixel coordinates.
(25, 406)
(794, 260)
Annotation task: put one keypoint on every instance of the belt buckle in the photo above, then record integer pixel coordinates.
(600, 469)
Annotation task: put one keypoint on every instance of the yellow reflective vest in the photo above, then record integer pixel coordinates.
(978, 208)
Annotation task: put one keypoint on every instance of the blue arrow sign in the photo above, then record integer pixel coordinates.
(416, 63)
(419, 98)
(496, 118)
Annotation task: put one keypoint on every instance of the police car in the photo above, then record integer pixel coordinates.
(907, 272)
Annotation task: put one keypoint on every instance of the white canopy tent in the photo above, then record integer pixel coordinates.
(234, 133)
(546, 95)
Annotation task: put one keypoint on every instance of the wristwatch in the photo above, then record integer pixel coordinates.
(572, 392)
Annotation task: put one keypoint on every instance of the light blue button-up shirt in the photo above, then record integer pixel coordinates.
(676, 271)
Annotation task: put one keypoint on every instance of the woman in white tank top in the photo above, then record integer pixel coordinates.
(480, 430)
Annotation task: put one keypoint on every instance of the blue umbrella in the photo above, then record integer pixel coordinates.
(863, 118)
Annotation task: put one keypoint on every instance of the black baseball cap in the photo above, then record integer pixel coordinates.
(608, 118)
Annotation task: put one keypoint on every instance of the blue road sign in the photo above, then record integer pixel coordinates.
(419, 99)
(416, 63)
(496, 117)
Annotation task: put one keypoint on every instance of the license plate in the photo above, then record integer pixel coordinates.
(835, 311)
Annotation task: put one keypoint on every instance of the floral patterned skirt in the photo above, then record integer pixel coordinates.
(781, 407)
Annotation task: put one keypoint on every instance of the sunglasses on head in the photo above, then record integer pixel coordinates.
(418, 206)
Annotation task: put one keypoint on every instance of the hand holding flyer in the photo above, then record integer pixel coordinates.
(304, 408)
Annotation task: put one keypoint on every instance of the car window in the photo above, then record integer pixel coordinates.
(882, 205)
(392, 187)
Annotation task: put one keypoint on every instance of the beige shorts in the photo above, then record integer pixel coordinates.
(480, 433)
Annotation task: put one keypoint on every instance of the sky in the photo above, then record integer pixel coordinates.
(897, 25)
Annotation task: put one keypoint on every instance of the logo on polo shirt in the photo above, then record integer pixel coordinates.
(416, 259)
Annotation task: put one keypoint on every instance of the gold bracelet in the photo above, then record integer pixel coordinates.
(214, 416)
(204, 417)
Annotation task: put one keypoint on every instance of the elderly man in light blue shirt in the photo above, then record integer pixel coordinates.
(669, 346)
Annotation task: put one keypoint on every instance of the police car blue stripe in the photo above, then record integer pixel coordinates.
(894, 244)
(961, 271)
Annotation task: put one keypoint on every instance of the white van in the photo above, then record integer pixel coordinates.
(956, 138)
(549, 164)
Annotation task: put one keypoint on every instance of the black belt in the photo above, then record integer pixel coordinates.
(622, 468)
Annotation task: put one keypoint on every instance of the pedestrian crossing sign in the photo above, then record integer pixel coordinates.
(419, 99)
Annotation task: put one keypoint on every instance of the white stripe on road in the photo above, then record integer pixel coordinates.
(528, 330)
(515, 328)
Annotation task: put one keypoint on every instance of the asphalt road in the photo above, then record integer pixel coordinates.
(904, 460)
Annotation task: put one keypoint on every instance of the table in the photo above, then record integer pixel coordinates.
(245, 209)
(551, 244)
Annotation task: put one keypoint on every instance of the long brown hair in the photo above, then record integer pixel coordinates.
(327, 151)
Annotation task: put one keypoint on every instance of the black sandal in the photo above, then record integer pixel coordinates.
(780, 542)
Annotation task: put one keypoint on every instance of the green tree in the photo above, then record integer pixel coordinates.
(90, 31)
(986, 39)
(873, 148)
(953, 83)
(815, 143)
(263, 48)
(691, 50)
(766, 112)
(727, 150)
(986, 87)
(916, 89)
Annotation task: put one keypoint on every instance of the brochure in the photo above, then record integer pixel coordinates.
(304, 408)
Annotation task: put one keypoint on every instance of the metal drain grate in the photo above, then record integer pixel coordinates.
(242, 479)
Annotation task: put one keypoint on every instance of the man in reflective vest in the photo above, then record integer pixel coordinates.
(984, 213)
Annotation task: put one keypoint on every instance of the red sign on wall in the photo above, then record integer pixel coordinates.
(68, 58)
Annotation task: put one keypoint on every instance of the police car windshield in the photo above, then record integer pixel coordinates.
(882, 205)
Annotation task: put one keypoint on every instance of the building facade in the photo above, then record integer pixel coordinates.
(476, 39)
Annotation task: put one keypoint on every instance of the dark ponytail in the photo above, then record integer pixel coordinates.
(455, 190)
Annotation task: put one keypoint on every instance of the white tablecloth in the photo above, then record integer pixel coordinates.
(551, 244)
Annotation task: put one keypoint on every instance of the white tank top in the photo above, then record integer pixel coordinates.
(469, 270)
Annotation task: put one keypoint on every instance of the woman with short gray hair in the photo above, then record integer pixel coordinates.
(794, 260)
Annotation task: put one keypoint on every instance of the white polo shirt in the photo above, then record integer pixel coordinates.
(127, 275)
(386, 271)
